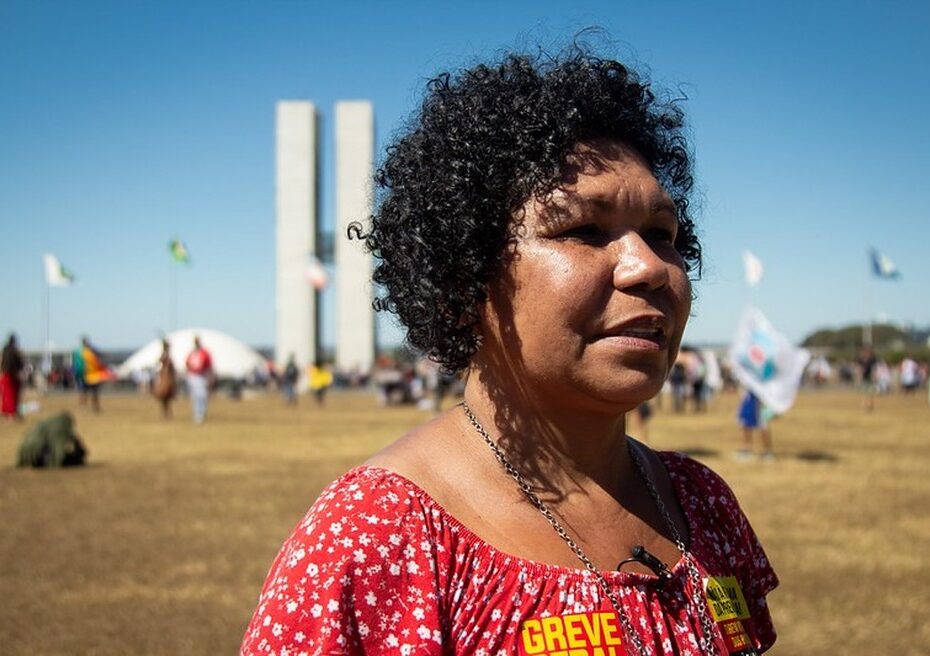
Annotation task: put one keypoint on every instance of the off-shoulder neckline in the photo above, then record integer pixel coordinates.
(679, 569)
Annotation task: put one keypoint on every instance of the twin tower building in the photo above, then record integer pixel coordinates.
(298, 237)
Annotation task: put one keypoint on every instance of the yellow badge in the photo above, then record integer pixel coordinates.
(725, 598)
(578, 634)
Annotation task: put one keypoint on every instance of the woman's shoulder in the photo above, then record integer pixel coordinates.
(370, 498)
(692, 474)
(703, 494)
(362, 551)
(368, 523)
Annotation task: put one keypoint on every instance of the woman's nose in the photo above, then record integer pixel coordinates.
(638, 264)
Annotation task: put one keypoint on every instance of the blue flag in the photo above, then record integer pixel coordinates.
(882, 267)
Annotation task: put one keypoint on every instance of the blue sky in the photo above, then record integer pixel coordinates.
(123, 124)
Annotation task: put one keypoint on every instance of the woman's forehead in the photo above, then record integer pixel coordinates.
(605, 178)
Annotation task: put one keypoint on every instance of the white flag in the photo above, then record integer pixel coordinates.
(753, 266)
(765, 362)
(55, 274)
(316, 273)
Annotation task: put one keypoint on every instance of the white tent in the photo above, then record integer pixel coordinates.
(231, 358)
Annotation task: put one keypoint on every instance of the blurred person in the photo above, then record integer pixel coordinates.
(269, 376)
(12, 364)
(909, 375)
(643, 415)
(94, 372)
(289, 380)
(52, 443)
(754, 416)
(533, 229)
(427, 373)
(882, 376)
(166, 384)
(143, 379)
(445, 383)
(697, 376)
(200, 377)
(677, 380)
(866, 361)
(387, 378)
(320, 380)
(77, 370)
(819, 370)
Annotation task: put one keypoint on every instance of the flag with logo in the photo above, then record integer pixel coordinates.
(765, 362)
(56, 275)
(882, 266)
(179, 251)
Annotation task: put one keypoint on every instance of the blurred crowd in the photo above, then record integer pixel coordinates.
(403, 378)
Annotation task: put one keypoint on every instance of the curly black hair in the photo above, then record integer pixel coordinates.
(483, 142)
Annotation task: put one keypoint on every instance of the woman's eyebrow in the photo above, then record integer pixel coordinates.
(663, 203)
(659, 203)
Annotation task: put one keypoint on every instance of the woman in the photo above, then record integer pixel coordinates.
(95, 372)
(166, 380)
(533, 230)
(321, 378)
(200, 379)
(11, 379)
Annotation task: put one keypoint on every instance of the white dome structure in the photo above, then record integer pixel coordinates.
(231, 358)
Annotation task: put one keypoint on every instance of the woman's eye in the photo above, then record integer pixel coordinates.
(587, 232)
(660, 235)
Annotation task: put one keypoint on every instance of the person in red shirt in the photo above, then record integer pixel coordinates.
(11, 371)
(534, 232)
(199, 367)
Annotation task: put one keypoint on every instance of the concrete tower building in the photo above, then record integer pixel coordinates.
(296, 230)
(355, 148)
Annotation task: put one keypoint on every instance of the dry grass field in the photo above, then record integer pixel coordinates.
(161, 544)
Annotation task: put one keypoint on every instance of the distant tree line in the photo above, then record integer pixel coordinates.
(890, 342)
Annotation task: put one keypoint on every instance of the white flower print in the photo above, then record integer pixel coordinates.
(380, 568)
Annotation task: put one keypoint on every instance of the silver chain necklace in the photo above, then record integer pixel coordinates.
(696, 598)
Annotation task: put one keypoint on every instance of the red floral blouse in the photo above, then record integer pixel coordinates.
(378, 567)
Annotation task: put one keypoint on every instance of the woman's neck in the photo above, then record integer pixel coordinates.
(558, 449)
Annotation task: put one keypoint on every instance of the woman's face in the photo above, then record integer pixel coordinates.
(592, 303)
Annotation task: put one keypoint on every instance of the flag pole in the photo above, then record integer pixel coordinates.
(174, 297)
(867, 324)
(47, 337)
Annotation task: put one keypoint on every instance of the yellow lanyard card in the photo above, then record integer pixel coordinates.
(725, 598)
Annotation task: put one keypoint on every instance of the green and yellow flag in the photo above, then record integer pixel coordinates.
(179, 251)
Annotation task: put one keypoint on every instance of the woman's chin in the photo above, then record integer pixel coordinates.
(621, 398)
